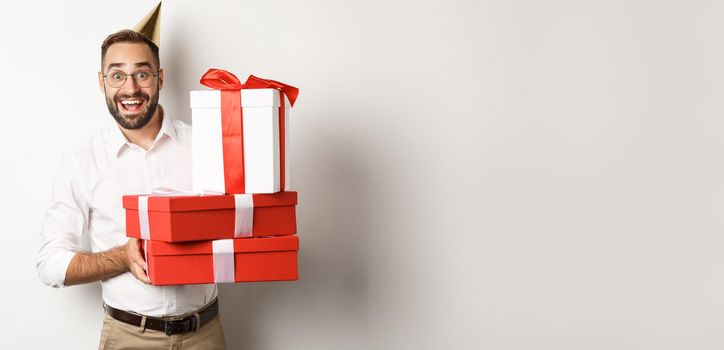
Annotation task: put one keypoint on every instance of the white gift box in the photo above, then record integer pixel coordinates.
(260, 139)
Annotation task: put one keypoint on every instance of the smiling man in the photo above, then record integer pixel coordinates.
(139, 150)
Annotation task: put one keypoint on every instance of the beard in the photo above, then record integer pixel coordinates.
(136, 120)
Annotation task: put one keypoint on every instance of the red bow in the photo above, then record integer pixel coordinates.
(220, 79)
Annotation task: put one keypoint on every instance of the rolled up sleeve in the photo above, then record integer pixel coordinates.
(63, 227)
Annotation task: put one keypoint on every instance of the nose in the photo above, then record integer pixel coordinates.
(130, 84)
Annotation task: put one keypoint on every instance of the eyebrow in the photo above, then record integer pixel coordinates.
(138, 64)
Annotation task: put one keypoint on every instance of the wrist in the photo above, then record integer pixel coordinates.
(122, 255)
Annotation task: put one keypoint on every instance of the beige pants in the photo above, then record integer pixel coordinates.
(119, 335)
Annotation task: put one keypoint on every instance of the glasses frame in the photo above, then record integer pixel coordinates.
(125, 78)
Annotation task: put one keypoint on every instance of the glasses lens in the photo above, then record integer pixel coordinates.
(115, 78)
(143, 78)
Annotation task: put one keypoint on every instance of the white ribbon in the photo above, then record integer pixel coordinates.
(244, 216)
(143, 217)
(223, 250)
(170, 192)
(145, 257)
(145, 252)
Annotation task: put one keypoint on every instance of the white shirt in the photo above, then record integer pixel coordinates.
(87, 200)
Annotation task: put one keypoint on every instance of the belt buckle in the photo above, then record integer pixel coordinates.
(169, 326)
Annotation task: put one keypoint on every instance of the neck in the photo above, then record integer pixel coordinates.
(145, 136)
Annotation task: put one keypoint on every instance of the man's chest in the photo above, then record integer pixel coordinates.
(132, 173)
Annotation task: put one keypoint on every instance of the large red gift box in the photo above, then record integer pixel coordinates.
(208, 217)
(223, 261)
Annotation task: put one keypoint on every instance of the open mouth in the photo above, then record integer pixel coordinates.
(131, 104)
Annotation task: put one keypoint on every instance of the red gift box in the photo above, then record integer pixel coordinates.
(245, 260)
(195, 218)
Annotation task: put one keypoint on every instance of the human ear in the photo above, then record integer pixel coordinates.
(160, 79)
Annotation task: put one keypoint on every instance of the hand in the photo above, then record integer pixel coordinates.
(136, 265)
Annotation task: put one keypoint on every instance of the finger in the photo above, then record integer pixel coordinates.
(139, 248)
(135, 256)
(137, 259)
(140, 274)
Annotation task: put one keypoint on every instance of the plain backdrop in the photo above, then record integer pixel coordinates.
(472, 174)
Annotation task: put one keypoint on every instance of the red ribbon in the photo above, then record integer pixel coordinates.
(258, 83)
(232, 122)
(220, 79)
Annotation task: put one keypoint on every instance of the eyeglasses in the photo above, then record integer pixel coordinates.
(117, 78)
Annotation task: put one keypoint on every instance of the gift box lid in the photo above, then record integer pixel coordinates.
(241, 245)
(249, 98)
(165, 203)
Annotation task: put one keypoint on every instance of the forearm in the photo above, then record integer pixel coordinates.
(91, 267)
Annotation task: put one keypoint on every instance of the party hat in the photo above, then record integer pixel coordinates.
(150, 25)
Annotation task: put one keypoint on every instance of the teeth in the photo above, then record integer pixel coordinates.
(131, 102)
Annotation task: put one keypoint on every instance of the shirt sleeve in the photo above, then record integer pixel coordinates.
(63, 227)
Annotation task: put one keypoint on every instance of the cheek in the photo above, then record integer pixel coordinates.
(151, 93)
(111, 93)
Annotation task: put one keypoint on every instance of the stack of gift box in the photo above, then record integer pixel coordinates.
(239, 222)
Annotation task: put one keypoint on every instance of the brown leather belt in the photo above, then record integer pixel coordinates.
(170, 327)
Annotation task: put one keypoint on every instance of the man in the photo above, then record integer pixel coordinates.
(140, 150)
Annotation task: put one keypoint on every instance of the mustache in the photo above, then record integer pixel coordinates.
(139, 94)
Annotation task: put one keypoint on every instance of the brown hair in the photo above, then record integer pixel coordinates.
(128, 35)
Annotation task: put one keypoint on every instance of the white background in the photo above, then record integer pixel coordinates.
(472, 174)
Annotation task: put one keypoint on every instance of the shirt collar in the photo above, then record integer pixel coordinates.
(118, 141)
(167, 127)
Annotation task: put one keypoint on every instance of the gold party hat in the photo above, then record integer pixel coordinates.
(150, 25)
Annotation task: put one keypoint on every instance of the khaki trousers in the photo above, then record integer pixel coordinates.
(120, 335)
